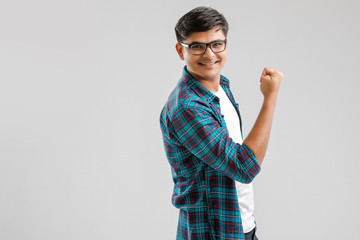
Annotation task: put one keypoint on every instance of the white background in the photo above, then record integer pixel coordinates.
(82, 84)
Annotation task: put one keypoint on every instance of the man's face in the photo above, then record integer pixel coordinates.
(205, 67)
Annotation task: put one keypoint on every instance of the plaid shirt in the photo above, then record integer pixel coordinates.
(204, 162)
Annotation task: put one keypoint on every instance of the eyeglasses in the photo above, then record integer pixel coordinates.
(200, 48)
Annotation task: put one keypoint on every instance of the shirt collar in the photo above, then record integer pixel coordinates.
(198, 87)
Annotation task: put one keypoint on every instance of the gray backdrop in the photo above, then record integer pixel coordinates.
(82, 87)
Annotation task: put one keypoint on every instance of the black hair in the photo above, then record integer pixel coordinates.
(200, 19)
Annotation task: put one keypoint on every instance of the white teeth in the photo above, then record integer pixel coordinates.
(208, 63)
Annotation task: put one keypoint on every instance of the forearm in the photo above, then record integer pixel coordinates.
(258, 138)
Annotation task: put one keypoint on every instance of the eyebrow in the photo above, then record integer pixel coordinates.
(195, 42)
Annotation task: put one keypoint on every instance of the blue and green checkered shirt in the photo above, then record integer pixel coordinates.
(204, 162)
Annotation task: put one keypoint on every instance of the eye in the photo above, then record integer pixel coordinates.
(217, 45)
(197, 46)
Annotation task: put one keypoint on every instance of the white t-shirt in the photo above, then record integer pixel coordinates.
(244, 191)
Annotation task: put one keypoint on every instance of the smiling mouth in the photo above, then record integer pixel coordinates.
(208, 63)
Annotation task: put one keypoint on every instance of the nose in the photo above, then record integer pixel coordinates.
(208, 52)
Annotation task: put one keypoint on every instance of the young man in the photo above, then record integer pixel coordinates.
(212, 167)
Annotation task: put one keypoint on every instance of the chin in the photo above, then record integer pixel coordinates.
(210, 74)
(204, 74)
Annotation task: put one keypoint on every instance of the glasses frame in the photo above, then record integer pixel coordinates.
(206, 46)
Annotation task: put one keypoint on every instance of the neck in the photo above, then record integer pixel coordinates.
(211, 85)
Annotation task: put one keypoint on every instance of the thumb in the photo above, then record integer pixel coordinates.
(264, 73)
(268, 71)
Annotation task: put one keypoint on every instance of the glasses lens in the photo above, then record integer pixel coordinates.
(198, 48)
(218, 46)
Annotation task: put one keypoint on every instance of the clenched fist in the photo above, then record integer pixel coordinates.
(270, 81)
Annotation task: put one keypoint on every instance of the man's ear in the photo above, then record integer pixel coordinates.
(180, 50)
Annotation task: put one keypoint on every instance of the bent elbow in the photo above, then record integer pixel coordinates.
(249, 175)
(247, 179)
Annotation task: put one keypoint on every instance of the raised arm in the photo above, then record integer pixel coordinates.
(197, 129)
(258, 138)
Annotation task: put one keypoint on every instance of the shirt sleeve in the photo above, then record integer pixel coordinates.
(198, 130)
